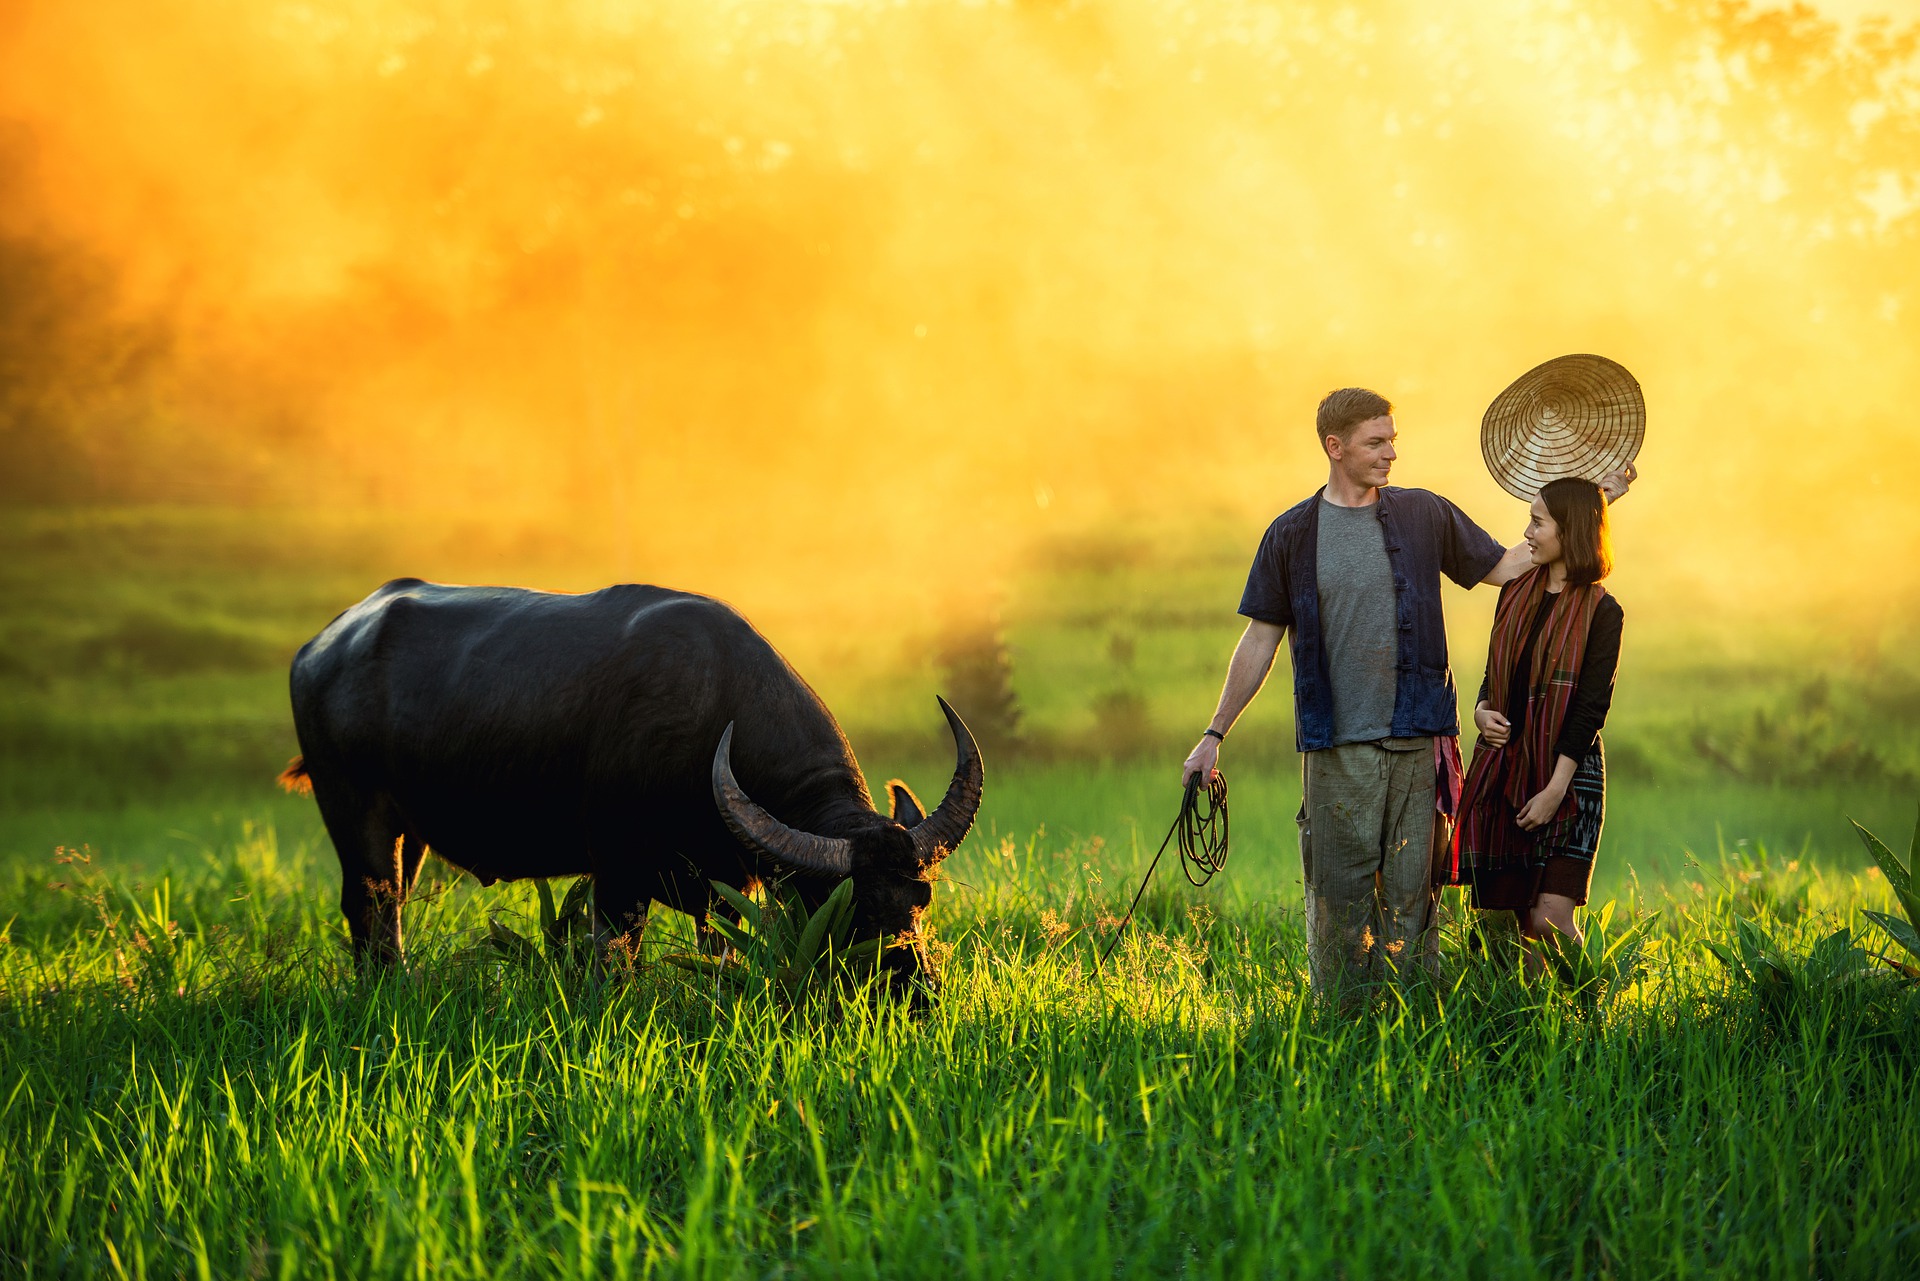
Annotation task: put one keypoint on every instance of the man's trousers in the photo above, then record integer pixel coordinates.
(1366, 822)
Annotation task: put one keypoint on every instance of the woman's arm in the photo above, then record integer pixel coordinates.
(1489, 722)
(1545, 803)
(1593, 692)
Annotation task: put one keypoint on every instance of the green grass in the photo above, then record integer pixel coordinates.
(220, 1095)
(192, 1082)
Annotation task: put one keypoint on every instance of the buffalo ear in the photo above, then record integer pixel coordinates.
(907, 810)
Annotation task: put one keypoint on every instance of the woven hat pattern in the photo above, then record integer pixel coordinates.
(1572, 416)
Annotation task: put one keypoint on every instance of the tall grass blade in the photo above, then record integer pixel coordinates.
(748, 909)
(510, 943)
(1900, 878)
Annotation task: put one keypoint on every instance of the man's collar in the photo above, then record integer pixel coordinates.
(1379, 499)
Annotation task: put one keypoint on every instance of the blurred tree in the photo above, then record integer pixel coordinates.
(68, 368)
(978, 669)
(1122, 727)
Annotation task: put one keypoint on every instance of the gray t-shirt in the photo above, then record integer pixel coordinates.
(1357, 621)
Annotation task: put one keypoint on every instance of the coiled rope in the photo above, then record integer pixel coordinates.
(1202, 827)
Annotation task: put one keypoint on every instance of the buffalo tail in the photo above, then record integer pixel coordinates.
(294, 778)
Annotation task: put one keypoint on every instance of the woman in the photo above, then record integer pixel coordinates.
(1534, 799)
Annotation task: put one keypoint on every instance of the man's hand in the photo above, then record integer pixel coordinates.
(1615, 483)
(1203, 760)
(1539, 811)
(1494, 728)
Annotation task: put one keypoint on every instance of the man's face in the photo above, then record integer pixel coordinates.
(1366, 456)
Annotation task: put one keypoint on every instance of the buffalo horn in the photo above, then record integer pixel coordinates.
(761, 831)
(947, 826)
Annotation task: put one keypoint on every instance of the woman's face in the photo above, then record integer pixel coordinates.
(1543, 536)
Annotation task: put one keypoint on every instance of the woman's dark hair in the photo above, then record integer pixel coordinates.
(1580, 510)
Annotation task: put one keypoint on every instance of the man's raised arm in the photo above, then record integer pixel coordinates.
(1517, 561)
(1252, 660)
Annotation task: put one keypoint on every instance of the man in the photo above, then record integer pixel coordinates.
(1354, 573)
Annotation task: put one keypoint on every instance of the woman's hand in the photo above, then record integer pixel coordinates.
(1492, 726)
(1539, 811)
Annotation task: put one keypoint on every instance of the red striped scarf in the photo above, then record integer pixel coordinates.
(1502, 779)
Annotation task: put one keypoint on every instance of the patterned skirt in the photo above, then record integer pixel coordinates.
(1563, 852)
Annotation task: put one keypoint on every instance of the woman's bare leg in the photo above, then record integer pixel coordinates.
(1553, 911)
(1549, 912)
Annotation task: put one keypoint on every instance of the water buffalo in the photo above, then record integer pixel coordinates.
(649, 738)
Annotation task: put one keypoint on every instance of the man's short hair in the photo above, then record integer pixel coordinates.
(1346, 409)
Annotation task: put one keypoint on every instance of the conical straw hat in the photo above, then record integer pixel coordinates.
(1573, 416)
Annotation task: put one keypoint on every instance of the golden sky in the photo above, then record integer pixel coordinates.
(906, 287)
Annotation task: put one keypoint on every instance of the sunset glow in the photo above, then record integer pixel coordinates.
(733, 289)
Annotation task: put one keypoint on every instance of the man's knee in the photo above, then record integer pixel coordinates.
(1340, 940)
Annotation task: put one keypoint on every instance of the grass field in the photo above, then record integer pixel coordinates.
(195, 1083)
(192, 1082)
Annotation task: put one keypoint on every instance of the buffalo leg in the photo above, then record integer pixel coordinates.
(377, 863)
(620, 902)
(371, 902)
(691, 893)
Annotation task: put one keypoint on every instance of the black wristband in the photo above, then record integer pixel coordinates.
(1216, 733)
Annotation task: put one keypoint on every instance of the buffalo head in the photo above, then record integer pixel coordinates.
(891, 859)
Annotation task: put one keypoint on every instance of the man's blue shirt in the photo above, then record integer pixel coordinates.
(1426, 536)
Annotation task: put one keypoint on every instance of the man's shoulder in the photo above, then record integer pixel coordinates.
(1425, 505)
(1418, 499)
(1292, 519)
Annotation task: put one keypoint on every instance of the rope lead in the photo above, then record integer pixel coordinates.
(1202, 828)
